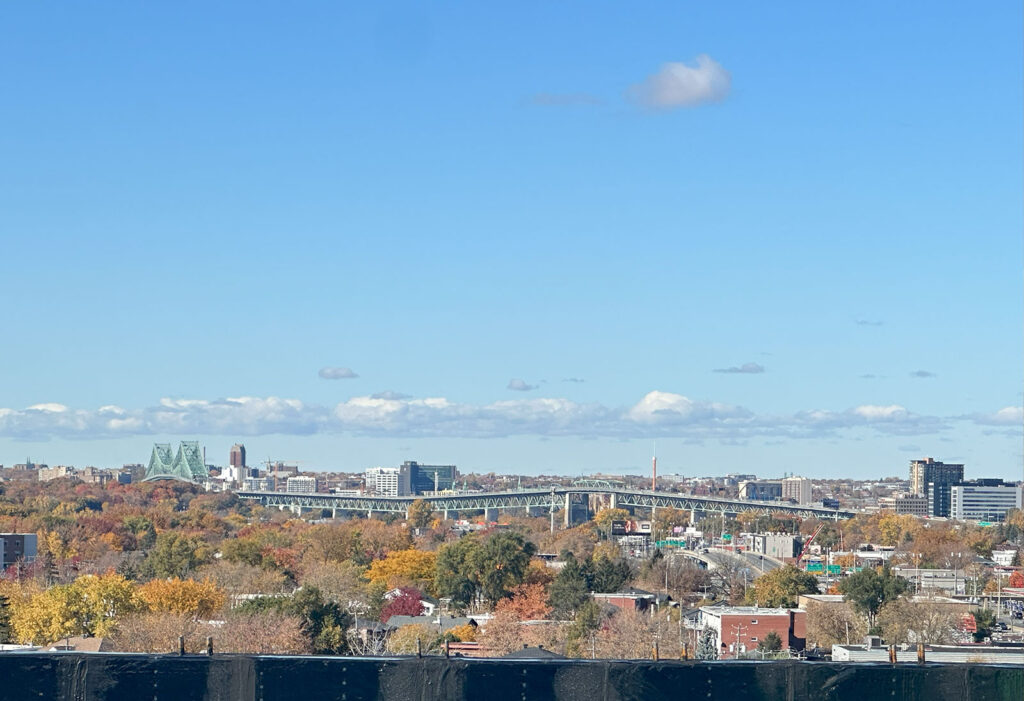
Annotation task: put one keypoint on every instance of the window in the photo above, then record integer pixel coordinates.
(753, 640)
(753, 621)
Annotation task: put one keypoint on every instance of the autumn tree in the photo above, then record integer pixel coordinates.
(91, 605)
(324, 623)
(604, 518)
(413, 638)
(833, 624)
(527, 603)
(905, 621)
(500, 563)
(183, 596)
(408, 602)
(1017, 579)
(400, 567)
(420, 513)
(781, 587)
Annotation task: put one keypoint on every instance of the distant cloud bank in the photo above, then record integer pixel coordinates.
(745, 369)
(390, 414)
(678, 85)
(337, 374)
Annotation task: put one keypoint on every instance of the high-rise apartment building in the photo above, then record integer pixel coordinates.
(983, 500)
(429, 478)
(927, 470)
(301, 485)
(237, 456)
(797, 488)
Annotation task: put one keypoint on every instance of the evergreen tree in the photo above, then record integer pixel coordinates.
(6, 634)
(707, 649)
(770, 643)
(609, 575)
(569, 591)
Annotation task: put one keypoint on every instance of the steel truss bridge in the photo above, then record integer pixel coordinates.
(538, 499)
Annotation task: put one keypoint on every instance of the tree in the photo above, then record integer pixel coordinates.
(465, 633)
(91, 605)
(183, 596)
(833, 624)
(408, 602)
(527, 603)
(1017, 579)
(604, 518)
(588, 620)
(626, 635)
(500, 564)
(869, 589)
(404, 567)
(175, 555)
(781, 587)
(609, 575)
(404, 640)
(453, 570)
(984, 622)
(770, 642)
(904, 621)
(420, 513)
(338, 581)
(707, 645)
(569, 591)
(323, 622)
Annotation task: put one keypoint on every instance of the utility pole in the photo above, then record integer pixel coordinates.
(738, 629)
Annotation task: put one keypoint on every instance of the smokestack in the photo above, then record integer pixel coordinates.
(654, 471)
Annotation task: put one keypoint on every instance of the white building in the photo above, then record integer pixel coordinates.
(1004, 557)
(983, 500)
(382, 480)
(301, 485)
(256, 484)
(797, 489)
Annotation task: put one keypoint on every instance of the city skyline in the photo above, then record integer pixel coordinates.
(358, 236)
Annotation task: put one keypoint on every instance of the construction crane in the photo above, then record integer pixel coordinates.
(270, 464)
(807, 544)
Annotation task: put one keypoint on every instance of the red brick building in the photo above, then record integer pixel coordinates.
(741, 628)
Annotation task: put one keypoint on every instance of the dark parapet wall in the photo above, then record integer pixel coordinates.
(110, 677)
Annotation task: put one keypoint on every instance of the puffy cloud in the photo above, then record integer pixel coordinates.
(1007, 416)
(679, 85)
(390, 414)
(337, 374)
(922, 374)
(745, 369)
(520, 385)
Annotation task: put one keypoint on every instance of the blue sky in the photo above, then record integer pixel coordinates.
(203, 207)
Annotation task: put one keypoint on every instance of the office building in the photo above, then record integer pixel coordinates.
(777, 545)
(236, 458)
(983, 500)
(301, 485)
(429, 478)
(256, 484)
(928, 470)
(761, 490)
(905, 504)
(797, 489)
(15, 547)
(387, 482)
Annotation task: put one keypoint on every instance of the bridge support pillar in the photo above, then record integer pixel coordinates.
(444, 513)
(568, 510)
(490, 515)
(613, 501)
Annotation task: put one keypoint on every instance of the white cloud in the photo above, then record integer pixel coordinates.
(745, 369)
(656, 414)
(1007, 416)
(680, 85)
(520, 385)
(337, 374)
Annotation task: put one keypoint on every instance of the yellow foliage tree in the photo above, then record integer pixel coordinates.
(465, 633)
(604, 518)
(91, 605)
(400, 567)
(183, 596)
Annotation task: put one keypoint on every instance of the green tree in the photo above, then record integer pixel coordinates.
(869, 589)
(570, 589)
(500, 563)
(985, 621)
(6, 632)
(587, 621)
(175, 555)
(609, 575)
(781, 587)
(770, 643)
(453, 570)
(421, 513)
